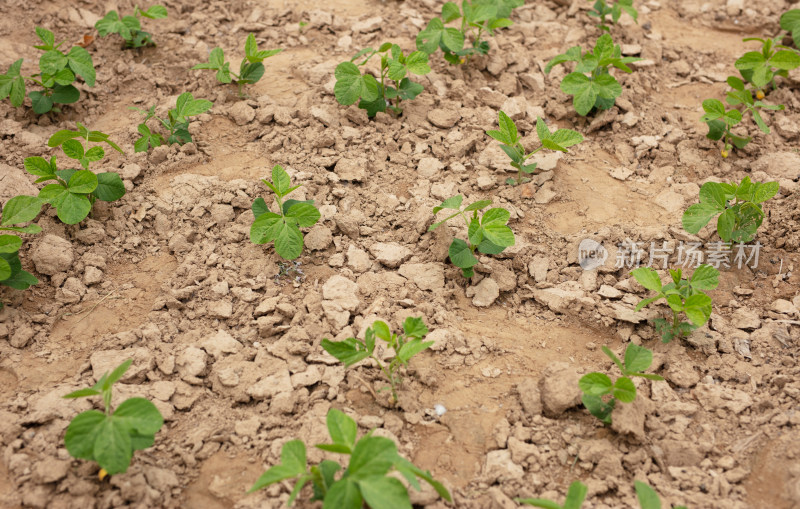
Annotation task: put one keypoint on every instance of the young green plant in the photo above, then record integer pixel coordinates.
(75, 191)
(17, 211)
(488, 233)
(57, 73)
(761, 67)
(251, 69)
(682, 295)
(405, 346)
(478, 18)
(790, 21)
(737, 205)
(648, 498)
(111, 437)
(601, 9)
(284, 227)
(591, 84)
(366, 478)
(176, 123)
(600, 394)
(512, 144)
(379, 96)
(128, 27)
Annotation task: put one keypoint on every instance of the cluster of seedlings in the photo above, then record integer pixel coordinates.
(110, 437)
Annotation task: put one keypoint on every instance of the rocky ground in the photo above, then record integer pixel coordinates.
(229, 350)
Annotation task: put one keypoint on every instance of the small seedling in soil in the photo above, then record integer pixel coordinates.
(512, 144)
(128, 27)
(364, 481)
(489, 233)
(282, 228)
(591, 84)
(738, 207)
(478, 18)
(682, 295)
(761, 67)
(601, 9)
(719, 121)
(405, 346)
(111, 437)
(378, 96)
(576, 494)
(790, 21)
(596, 386)
(176, 123)
(75, 191)
(17, 211)
(57, 73)
(251, 68)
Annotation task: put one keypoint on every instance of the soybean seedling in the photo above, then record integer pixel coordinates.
(251, 68)
(17, 211)
(591, 84)
(601, 9)
(683, 296)
(366, 478)
(488, 233)
(57, 73)
(512, 144)
(176, 123)
(719, 121)
(738, 207)
(111, 437)
(405, 346)
(597, 386)
(478, 18)
(75, 191)
(378, 96)
(284, 227)
(128, 27)
(761, 67)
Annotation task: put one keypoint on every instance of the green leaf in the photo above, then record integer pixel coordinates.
(595, 384)
(450, 12)
(698, 308)
(371, 456)
(452, 203)
(250, 73)
(461, 255)
(597, 407)
(478, 205)
(9, 244)
(154, 12)
(765, 191)
(539, 502)
(21, 209)
(82, 433)
(412, 348)
(785, 60)
(648, 278)
(725, 224)
(72, 208)
(40, 103)
(697, 216)
(381, 492)
(82, 182)
(566, 137)
(80, 61)
(637, 358)
(109, 187)
(648, 498)
(264, 229)
(306, 214)
(705, 277)
(288, 241)
(417, 63)
(583, 91)
(293, 464)
(576, 494)
(344, 494)
(414, 327)
(342, 429)
(624, 390)
(73, 149)
(345, 351)
(349, 85)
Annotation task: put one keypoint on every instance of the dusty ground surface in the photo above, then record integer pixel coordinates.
(232, 356)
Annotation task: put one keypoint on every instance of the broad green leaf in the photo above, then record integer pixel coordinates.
(412, 348)
(382, 330)
(82, 182)
(648, 498)
(566, 137)
(583, 91)
(342, 429)
(82, 434)
(597, 407)
(478, 205)
(73, 149)
(72, 208)
(417, 63)
(275, 474)
(80, 61)
(259, 207)
(461, 255)
(765, 191)
(109, 187)
(371, 456)
(344, 494)
(154, 12)
(345, 351)
(714, 194)
(497, 216)
(264, 229)
(725, 224)
(414, 327)
(288, 241)
(20, 280)
(9, 244)
(21, 209)
(697, 216)
(607, 86)
(508, 128)
(382, 492)
(637, 358)
(624, 390)
(785, 59)
(281, 180)
(750, 60)
(453, 203)
(499, 234)
(576, 494)
(705, 277)
(572, 55)
(349, 85)
(40, 103)
(306, 214)
(698, 308)
(648, 278)
(595, 384)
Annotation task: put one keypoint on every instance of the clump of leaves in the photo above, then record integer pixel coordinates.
(17, 211)
(601, 9)
(111, 437)
(128, 27)
(761, 67)
(682, 295)
(284, 227)
(512, 144)
(591, 84)
(251, 68)
(57, 73)
(75, 191)
(600, 394)
(648, 498)
(405, 346)
(488, 233)
(365, 480)
(176, 123)
(478, 18)
(738, 207)
(378, 96)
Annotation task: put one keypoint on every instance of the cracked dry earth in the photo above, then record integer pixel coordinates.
(231, 355)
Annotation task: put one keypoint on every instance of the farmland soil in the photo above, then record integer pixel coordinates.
(225, 337)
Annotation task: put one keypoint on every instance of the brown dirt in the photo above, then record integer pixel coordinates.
(721, 432)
